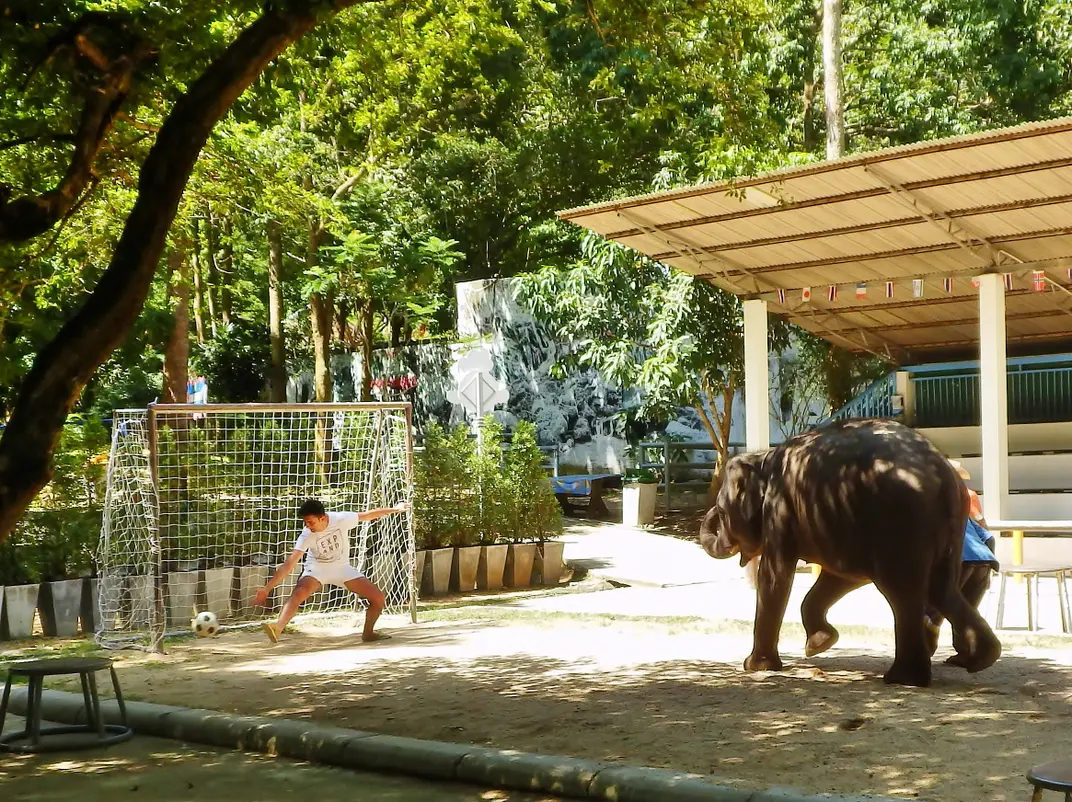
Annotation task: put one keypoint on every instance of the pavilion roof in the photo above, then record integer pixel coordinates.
(899, 232)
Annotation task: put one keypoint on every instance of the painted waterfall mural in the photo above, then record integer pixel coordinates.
(579, 413)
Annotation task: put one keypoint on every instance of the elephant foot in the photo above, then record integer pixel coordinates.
(756, 662)
(820, 641)
(902, 673)
(959, 660)
(986, 652)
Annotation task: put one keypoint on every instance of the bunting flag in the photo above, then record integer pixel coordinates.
(948, 284)
(781, 296)
(1008, 281)
(805, 294)
(889, 289)
(917, 288)
(1038, 278)
(975, 282)
(1070, 274)
(831, 293)
(861, 290)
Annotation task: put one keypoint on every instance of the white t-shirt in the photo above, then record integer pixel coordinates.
(331, 545)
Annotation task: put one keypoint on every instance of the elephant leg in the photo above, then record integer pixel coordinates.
(912, 660)
(826, 591)
(974, 642)
(775, 581)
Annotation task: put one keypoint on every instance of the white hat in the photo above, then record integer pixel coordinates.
(960, 469)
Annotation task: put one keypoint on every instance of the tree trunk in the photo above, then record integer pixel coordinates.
(64, 365)
(277, 373)
(227, 271)
(366, 321)
(322, 315)
(832, 79)
(177, 351)
(212, 286)
(195, 271)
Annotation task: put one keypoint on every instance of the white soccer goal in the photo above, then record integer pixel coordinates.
(202, 506)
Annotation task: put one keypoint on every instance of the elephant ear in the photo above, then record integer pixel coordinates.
(741, 499)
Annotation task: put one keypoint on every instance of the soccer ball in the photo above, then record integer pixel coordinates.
(205, 625)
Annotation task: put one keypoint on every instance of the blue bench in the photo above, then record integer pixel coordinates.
(590, 486)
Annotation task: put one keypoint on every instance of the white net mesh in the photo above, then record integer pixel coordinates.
(223, 512)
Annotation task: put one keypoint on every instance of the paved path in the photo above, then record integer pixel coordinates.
(163, 770)
(667, 576)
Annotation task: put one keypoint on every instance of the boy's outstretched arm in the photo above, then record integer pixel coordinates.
(281, 573)
(380, 512)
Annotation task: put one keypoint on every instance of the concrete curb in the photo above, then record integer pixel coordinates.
(435, 760)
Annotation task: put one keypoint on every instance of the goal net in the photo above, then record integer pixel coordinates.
(202, 506)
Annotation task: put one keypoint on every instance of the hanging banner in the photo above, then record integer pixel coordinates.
(831, 293)
(917, 288)
(805, 294)
(889, 289)
(861, 290)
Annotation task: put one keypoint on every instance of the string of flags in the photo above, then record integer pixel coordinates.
(1038, 284)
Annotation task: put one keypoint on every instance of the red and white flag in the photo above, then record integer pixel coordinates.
(805, 294)
(861, 290)
(781, 296)
(1008, 281)
(975, 282)
(889, 289)
(948, 284)
(1038, 278)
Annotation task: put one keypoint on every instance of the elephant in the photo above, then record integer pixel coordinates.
(867, 501)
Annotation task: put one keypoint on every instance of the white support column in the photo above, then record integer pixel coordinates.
(993, 395)
(756, 376)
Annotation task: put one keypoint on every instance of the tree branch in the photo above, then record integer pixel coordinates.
(65, 364)
(31, 215)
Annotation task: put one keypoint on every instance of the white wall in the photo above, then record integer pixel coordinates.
(960, 440)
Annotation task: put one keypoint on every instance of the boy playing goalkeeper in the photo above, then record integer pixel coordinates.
(325, 542)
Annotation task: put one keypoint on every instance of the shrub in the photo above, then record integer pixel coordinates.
(57, 537)
(467, 494)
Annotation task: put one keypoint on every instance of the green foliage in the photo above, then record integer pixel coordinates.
(57, 538)
(235, 363)
(467, 494)
(530, 500)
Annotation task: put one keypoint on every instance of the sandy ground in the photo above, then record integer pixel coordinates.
(660, 692)
(158, 770)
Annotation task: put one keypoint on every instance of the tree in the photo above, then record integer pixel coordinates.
(678, 339)
(832, 80)
(62, 369)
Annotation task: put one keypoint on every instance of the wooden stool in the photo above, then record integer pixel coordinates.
(1031, 573)
(1053, 776)
(35, 672)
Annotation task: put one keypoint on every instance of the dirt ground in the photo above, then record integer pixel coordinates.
(658, 692)
(158, 770)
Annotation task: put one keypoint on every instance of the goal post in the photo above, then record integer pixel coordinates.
(202, 505)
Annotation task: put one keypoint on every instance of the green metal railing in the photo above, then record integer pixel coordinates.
(1039, 391)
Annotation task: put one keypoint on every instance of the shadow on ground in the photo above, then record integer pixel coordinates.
(647, 693)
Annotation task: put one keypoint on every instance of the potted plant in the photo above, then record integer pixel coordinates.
(60, 560)
(639, 492)
(534, 510)
(444, 501)
(19, 593)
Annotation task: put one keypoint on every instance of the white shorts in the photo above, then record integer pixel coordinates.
(332, 574)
